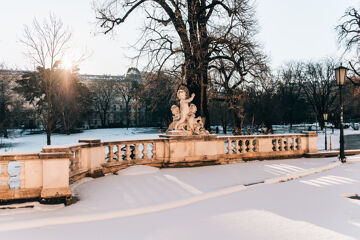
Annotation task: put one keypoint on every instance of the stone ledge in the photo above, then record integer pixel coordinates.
(189, 137)
(19, 194)
(332, 153)
(56, 192)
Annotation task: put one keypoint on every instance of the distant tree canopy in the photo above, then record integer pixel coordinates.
(70, 99)
(156, 95)
(6, 99)
(191, 36)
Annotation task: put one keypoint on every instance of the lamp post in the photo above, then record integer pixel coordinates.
(325, 115)
(340, 74)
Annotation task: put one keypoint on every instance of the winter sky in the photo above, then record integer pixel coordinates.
(289, 30)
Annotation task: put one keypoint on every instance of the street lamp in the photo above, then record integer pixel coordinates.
(325, 115)
(340, 74)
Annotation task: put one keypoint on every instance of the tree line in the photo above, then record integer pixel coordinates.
(299, 92)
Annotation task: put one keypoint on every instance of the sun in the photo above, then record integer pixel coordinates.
(67, 64)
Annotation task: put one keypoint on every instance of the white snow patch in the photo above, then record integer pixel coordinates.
(117, 214)
(271, 224)
(185, 186)
(138, 170)
(75, 185)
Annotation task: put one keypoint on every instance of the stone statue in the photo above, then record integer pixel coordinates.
(176, 116)
(184, 120)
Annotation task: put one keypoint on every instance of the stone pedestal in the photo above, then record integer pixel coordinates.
(198, 149)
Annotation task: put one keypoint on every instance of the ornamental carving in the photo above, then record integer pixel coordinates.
(184, 120)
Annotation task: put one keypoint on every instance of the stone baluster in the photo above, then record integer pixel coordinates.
(298, 147)
(111, 153)
(229, 146)
(77, 159)
(136, 150)
(72, 161)
(128, 152)
(117, 154)
(145, 151)
(237, 147)
(256, 147)
(251, 145)
(287, 144)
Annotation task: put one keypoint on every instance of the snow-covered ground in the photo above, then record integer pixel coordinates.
(34, 143)
(213, 202)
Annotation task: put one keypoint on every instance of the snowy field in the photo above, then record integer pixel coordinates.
(35, 142)
(234, 201)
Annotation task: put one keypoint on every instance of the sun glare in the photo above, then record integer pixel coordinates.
(67, 64)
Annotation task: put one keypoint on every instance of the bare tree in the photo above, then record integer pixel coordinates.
(6, 98)
(187, 36)
(319, 87)
(289, 89)
(46, 43)
(71, 99)
(128, 92)
(105, 94)
(349, 36)
(156, 95)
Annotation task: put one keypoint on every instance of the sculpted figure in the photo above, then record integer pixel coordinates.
(184, 120)
(192, 120)
(199, 127)
(184, 108)
(176, 117)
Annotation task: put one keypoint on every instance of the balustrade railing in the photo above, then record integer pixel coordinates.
(48, 174)
(240, 145)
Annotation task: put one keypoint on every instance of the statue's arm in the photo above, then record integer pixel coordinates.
(191, 98)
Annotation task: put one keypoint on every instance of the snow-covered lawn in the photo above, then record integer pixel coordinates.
(213, 202)
(34, 143)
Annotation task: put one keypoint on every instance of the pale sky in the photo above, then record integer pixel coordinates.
(289, 30)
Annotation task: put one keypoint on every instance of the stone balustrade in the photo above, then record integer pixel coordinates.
(49, 173)
(37, 175)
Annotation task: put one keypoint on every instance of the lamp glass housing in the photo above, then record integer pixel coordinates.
(340, 74)
(325, 115)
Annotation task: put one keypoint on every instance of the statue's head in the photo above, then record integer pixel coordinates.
(181, 94)
(192, 108)
(175, 109)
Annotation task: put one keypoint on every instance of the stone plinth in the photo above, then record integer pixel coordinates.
(197, 149)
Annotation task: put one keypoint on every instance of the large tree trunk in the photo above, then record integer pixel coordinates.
(5, 133)
(48, 125)
(197, 81)
(127, 114)
(48, 136)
